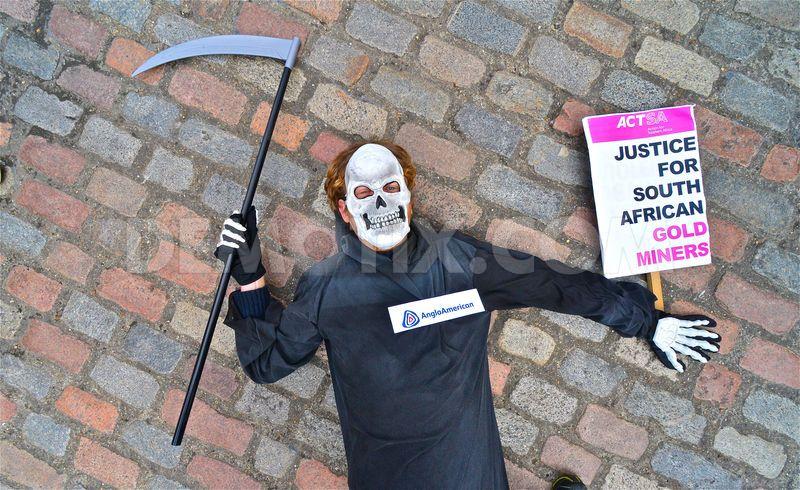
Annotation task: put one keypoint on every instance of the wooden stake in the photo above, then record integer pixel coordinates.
(654, 285)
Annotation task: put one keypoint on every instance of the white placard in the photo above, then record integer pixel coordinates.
(648, 190)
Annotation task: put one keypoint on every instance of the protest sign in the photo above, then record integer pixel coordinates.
(648, 190)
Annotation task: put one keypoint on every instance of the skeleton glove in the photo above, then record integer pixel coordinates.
(676, 334)
(240, 237)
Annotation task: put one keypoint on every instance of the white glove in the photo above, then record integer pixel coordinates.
(676, 335)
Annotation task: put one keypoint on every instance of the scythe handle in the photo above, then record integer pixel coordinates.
(222, 286)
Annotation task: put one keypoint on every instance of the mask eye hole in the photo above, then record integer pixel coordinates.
(392, 187)
(362, 192)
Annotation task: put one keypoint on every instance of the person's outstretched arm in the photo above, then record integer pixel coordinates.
(271, 340)
(513, 279)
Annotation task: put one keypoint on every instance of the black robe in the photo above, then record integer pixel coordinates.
(416, 407)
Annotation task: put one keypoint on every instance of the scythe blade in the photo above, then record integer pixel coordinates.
(235, 44)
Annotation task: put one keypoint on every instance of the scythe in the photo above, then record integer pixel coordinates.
(269, 47)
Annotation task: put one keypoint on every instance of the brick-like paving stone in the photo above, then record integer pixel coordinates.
(117, 183)
(47, 111)
(151, 443)
(46, 433)
(692, 470)
(675, 415)
(274, 458)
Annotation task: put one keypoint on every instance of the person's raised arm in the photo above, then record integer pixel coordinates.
(271, 340)
(513, 279)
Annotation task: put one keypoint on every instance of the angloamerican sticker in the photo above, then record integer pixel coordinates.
(424, 312)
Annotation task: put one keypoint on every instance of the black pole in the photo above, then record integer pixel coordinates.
(222, 287)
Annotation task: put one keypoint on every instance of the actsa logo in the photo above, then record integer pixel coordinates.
(410, 319)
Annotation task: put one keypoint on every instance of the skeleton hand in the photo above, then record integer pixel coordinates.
(676, 334)
(240, 237)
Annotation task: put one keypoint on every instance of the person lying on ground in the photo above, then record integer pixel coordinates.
(404, 314)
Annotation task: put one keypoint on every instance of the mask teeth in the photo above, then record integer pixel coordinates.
(385, 220)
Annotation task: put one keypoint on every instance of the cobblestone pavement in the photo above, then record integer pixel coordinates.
(113, 188)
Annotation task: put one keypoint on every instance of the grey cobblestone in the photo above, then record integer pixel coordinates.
(539, 11)
(47, 111)
(544, 401)
(635, 351)
(766, 457)
(152, 443)
(337, 59)
(274, 458)
(676, 15)
(24, 376)
(46, 433)
(408, 93)
(191, 320)
(154, 114)
(321, 434)
(692, 470)
(28, 56)
(131, 385)
(423, 8)
(329, 402)
(100, 136)
(680, 66)
(347, 114)
(488, 130)
(215, 144)
(283, 174)
(225, 196)
(757, 204)
(731, 38)
(578, 326)
(153, 349)
(785, 64)
(259, 402)
(130, 13)
(519, 94)
(159, 482)
(486, 28)
(265, 76)
(781, 13)
(501, 185)
(620, 477)
(450, 63)
(752, 99)
(780, 266)
(562, 66)
(304, 382)
(20, 235)
(172, 29)
(516, 432)
(675, 415)
(10, 320)
(116, 235)
(526, 341)
(171, 171)
(380, 29)
(632, 93)
(555, 161)
(89, 317)
(591, 373)
(773, 412)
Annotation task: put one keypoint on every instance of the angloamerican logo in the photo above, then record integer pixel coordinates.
(428, 311)
(410, 319)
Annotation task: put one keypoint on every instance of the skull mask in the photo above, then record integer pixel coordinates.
(377, 196)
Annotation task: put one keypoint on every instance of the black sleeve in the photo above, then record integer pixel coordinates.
(281, 339)
(509, 279)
